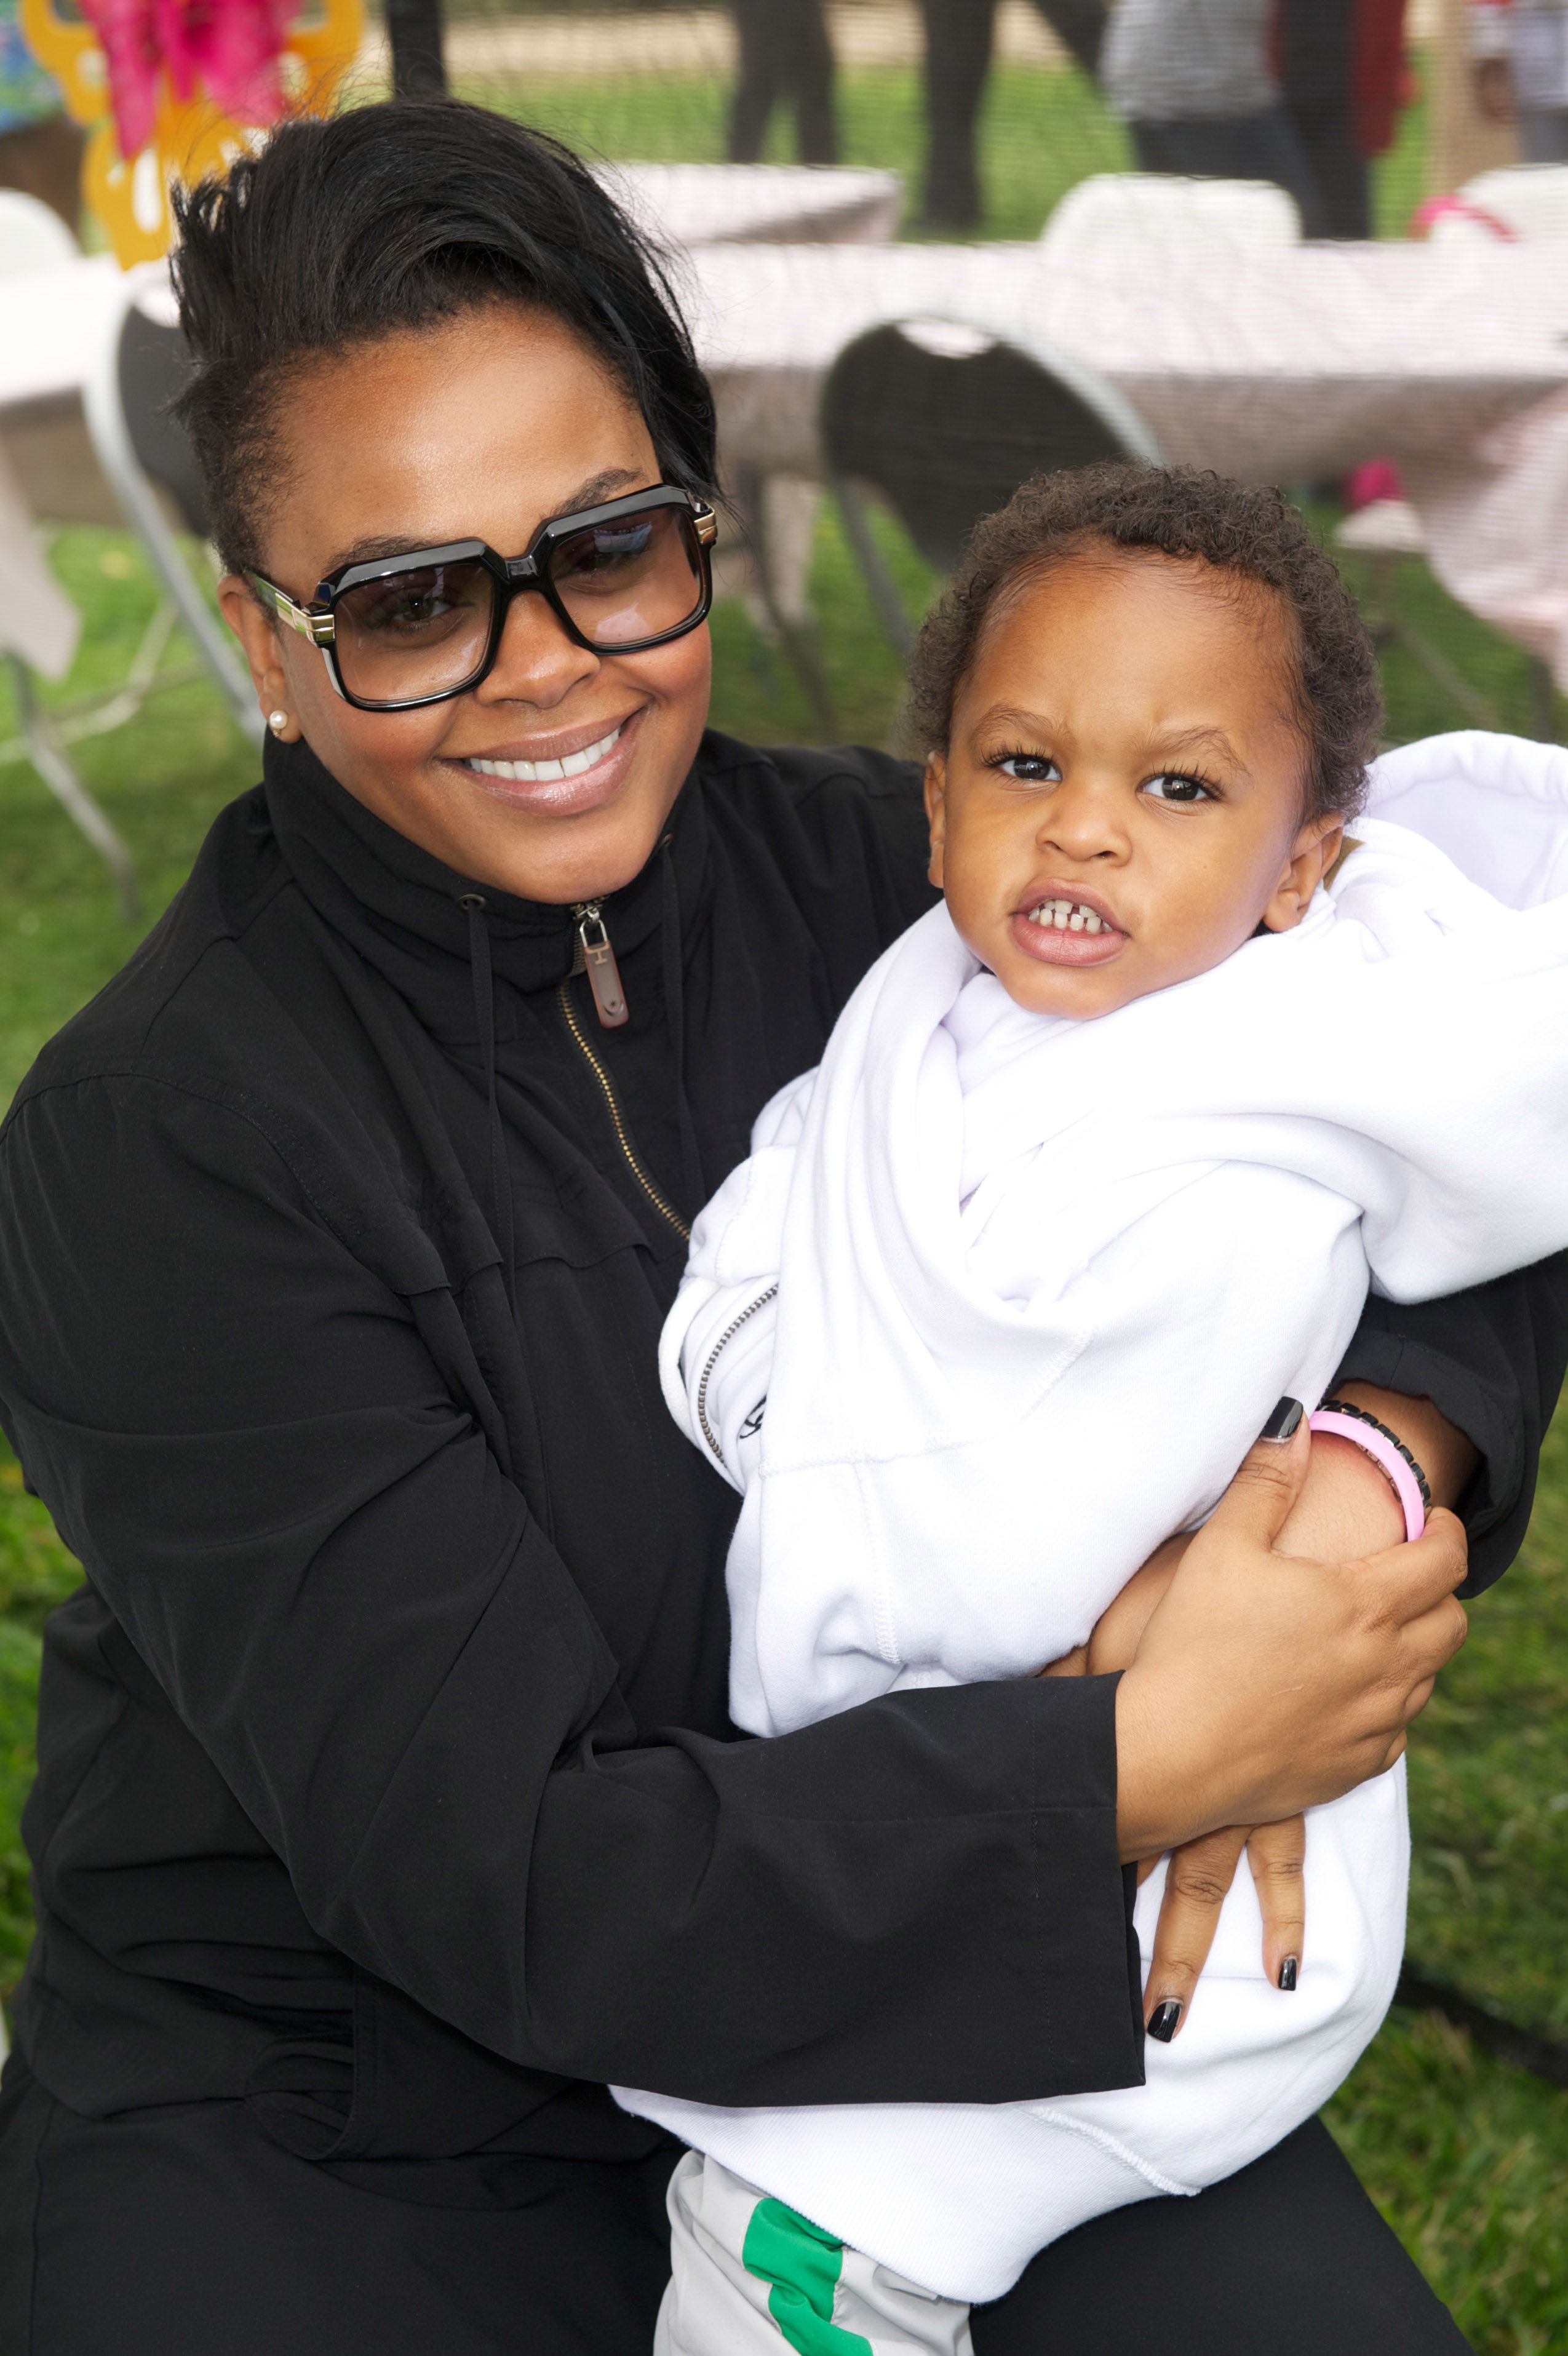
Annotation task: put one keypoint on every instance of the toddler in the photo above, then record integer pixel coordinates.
(1094, 1172)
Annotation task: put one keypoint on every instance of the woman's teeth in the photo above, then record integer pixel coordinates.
(543, 772)
(1068, 917)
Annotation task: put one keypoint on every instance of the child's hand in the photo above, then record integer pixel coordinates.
(1196, 1886)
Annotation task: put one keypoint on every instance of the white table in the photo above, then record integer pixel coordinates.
(785, 204)
(1286, 366)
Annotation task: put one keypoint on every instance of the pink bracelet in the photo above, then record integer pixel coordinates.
(1370, 1440)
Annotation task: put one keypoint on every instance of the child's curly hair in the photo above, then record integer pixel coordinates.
(1184, 512)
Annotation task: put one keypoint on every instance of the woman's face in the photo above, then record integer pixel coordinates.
(481, 428)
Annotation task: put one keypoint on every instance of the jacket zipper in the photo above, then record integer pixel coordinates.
(731, 1330)
(599, 964)
(603, 1077)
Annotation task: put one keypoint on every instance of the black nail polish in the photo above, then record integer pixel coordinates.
(1287, 1974)
(1283, 1422)
(1163, 2024)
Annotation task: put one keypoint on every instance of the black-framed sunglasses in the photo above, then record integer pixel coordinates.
(427, 624)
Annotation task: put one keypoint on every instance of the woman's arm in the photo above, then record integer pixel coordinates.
(241, 1429)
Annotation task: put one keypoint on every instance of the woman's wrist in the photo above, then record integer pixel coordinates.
(1444, 1454)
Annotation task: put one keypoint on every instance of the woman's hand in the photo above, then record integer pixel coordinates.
(1265, 1683)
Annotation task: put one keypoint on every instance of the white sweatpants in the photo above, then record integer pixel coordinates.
(750, 2277)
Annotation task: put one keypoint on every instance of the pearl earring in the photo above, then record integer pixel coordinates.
(277, 722)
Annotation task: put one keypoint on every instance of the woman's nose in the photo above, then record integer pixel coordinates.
(536, 662)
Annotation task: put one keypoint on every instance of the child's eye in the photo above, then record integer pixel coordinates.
(1029, 768)
(1170, 786)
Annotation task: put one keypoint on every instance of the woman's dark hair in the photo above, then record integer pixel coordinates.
(394, 216)
(1255, 536)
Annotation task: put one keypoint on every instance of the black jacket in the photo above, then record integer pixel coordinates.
(385, 1775)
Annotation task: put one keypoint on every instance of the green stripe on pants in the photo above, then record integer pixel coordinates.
(803, 2265)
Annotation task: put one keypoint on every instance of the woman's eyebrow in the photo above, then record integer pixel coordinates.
(606, 485)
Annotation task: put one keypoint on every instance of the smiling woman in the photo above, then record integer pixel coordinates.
(389, 1806)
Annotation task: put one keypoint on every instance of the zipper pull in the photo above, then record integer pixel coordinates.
(599, 965)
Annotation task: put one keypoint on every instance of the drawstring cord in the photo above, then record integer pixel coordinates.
(473, 905)
(675, 1019)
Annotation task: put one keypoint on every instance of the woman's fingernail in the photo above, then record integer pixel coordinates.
(1163, 2024)
(1283, 1422)
(1288, 1970)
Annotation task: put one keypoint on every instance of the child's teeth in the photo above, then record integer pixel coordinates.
(1068, 917)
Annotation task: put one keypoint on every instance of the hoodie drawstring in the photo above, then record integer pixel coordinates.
(473, 905)
(675, 1021)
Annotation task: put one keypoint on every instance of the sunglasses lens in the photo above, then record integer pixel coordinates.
(422, 632)
(632, 578)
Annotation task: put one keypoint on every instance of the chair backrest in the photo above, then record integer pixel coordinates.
(1154, 212)
(945, 417)
(152, 364)
(32, 235)
(1529, 198)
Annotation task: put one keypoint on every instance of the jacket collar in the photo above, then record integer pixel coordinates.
(401, 909)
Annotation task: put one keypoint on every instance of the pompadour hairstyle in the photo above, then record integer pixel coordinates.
(389, 218)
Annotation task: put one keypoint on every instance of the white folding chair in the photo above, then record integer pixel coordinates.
(141, 364)
(1157, 212)
(1531, 199)
(32, 235)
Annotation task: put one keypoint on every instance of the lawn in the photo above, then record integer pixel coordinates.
(1466, 2157)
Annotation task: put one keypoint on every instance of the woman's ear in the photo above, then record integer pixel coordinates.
(935, 812)
(1316, 847)
(257, 634)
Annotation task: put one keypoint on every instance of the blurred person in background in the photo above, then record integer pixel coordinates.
(1193, 81)
(1521, 53)
(786, 59)
(1342, 73)
(959, 37)
(41, 147)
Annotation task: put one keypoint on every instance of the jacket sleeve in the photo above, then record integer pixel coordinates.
(241, 1433)
(1492, 1361)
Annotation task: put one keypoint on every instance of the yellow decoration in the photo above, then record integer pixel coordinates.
(190, 136)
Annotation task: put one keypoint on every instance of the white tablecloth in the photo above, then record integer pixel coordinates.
(706, 204)
(1283, 367)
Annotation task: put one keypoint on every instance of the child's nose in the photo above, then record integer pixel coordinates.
(1082, 821)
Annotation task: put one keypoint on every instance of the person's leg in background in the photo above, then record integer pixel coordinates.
(1288, 2256)
(1080, 26)
(958, 60)
(1242, 148)
(756, 87)
(1317, 42)
(810, 76)
(44, 160)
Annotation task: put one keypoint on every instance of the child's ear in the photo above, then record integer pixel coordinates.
(936, 813)
(1316, 847)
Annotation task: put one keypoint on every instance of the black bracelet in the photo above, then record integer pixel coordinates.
(1343, 1407)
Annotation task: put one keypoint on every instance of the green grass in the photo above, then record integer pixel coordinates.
(1466, 2157)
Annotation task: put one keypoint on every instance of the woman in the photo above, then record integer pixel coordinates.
(387, 1804)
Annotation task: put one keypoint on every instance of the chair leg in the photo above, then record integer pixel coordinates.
(1543, 701)
(868, 556)
(52, 763)
(796, 639)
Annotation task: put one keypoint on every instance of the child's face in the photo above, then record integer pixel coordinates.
(1122, 743)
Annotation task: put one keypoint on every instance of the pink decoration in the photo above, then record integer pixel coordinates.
(1377, 479)
(231, 47)
(1438, 209)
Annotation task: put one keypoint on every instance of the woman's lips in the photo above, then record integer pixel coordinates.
(1053, 937)
(563, 785)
